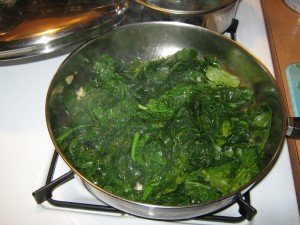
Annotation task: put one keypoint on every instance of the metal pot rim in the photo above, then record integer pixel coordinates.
(184, 12)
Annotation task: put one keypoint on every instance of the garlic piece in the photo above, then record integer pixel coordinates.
(69, 79)
(138, 186)
(80, 94)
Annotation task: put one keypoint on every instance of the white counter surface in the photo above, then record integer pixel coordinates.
(26, 148)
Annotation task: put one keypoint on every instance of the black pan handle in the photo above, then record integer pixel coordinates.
(293, 127)
(45, 192)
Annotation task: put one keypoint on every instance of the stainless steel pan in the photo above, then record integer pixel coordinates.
(152, 40)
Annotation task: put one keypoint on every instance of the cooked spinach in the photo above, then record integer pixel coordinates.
(173, 131)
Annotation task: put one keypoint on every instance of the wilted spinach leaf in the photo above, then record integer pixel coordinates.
(174, 131)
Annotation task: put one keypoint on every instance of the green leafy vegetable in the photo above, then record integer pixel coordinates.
(173, 131)
(220, 77)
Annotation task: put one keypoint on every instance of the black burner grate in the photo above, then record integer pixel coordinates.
(45, 194)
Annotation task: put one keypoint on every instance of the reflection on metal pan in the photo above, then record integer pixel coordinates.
(35, 27)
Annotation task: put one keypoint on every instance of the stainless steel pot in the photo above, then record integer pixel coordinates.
(214, 15)
(152, 40)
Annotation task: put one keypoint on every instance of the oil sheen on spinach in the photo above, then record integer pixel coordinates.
(173, 131)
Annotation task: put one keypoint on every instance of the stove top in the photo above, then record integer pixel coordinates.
(238, 213)
(59, 192)
(27, 148)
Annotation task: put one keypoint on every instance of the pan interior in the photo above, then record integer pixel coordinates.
(154, 40)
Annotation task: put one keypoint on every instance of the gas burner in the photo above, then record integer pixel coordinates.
(46, 194)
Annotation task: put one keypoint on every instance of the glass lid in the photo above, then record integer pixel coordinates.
(186, 6)
(31, 27)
